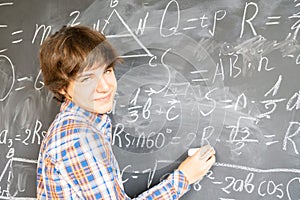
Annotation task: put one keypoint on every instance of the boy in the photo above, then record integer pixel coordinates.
(76, 160)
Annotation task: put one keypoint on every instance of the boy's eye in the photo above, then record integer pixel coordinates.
(85, 79)
(109, 70)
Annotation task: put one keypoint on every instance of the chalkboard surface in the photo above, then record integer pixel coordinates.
(223, 72)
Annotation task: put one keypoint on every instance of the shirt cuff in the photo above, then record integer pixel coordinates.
(180, 182)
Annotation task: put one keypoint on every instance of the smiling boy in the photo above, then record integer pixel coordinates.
(76, 160)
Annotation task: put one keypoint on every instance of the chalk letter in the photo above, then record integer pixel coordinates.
(288, 137)
(244, 103)
(250, 19)
(37, 128)
(174, 28)
(7, 77)
(210, 131)
(46, 32)
(207, 96)
(202, 21)
(117, 134)
(3, 136)
(288, 186)
(296, 105)
(168, 114)
(221, 73)
(216, 18)
(142, 24)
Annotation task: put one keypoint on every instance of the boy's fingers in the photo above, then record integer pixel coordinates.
(206, 157)
(207, 165)
(211, 160)
(200, 151)
(205, 153)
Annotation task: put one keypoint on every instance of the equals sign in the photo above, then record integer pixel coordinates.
(17, 138)
(191, 27)
(271, 142)
(135, 176)
(273, 20)
(15, 33)
(22, 79)
(227, 102)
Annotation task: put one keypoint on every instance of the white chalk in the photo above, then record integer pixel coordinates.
(203, 151)
(192, 151)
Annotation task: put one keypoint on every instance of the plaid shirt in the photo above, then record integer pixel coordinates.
(76, 161)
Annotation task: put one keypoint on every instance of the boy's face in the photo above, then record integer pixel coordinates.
(94, 89)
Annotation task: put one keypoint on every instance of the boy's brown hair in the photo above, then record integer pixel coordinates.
(70, 51)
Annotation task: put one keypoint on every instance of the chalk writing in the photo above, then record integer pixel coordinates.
(193, 74)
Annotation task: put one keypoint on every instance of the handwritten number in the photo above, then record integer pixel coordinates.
(76, 13)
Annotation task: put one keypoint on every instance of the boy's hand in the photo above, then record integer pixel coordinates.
(196, 166)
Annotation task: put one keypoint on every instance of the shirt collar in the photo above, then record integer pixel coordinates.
(98, 120)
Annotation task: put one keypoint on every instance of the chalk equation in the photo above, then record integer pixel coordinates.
(194, 73)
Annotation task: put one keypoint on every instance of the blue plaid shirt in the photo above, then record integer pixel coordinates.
(76, 161)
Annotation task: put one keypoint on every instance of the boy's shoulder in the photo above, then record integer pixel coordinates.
(63, 132)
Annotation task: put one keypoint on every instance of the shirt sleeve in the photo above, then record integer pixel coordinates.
(90, 167)
(174, 187)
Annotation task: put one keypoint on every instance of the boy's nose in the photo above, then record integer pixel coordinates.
(102, 85)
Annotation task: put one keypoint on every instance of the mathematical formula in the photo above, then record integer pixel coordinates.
(191, 88)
